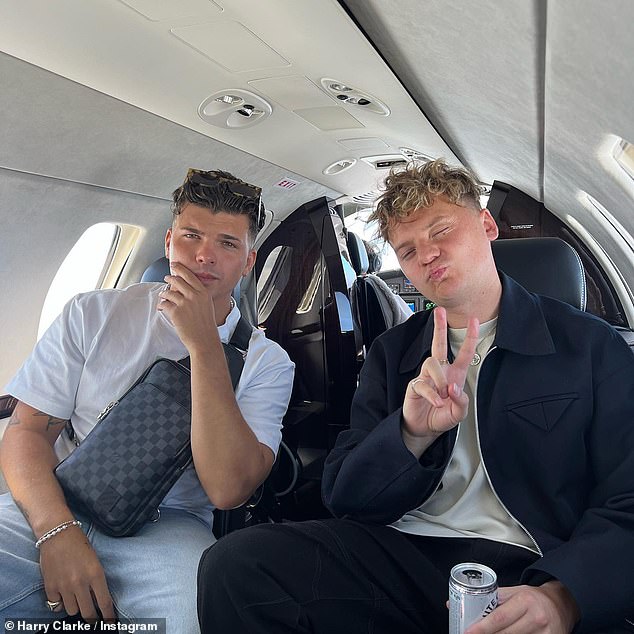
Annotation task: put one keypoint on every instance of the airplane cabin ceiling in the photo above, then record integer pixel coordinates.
(528, 92)
(168, 58)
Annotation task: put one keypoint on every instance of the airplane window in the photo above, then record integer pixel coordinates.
(618, 230)
(273, 279)
(82, 270)
(346, 261)
(619, 234)
(358, 223)
(308, 299)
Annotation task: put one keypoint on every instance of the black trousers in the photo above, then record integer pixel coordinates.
(335, 576)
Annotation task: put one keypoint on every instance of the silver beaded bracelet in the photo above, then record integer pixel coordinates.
(58, 529)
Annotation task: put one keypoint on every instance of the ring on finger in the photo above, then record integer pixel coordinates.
(53, 605)
(418, 380)
(443, 361)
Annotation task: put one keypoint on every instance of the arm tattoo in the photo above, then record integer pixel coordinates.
(52, 420)
(21, 507)
(14, 420)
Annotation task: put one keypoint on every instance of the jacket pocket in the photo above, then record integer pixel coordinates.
(543, 411)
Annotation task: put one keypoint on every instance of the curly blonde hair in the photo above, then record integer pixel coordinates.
(418, 185)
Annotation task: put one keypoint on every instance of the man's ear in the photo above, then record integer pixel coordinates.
(489, 224)
(250, 263)
(168, 242)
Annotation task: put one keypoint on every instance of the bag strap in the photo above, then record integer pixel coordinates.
(235, 350)
(242, 334)
(235, 353)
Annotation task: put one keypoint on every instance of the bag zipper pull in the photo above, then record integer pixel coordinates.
(106, 410)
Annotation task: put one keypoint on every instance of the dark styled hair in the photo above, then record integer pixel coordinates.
(221, 191)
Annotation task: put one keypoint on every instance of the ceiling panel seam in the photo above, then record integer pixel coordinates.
(541, 18)
(442, 133)
(83, 183)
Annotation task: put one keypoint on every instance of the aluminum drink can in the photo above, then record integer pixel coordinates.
(473, 593)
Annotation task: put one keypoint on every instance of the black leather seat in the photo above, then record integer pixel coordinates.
(157, 271)
(375, 308)
(547, 266)
(358, 253)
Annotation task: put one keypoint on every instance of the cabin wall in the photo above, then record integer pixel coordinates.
(71, 157)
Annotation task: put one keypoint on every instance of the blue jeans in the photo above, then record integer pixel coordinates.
(150, 575)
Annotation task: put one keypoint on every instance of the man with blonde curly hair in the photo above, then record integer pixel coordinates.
(418, 187)
(494, 429)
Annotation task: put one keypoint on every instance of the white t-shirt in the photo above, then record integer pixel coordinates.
(102, 342)
(466, 505)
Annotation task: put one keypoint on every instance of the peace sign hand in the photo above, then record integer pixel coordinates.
(435, 401)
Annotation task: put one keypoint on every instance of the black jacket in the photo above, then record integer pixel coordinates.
(555, 401)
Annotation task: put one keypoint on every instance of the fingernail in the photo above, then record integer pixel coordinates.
(457, 389)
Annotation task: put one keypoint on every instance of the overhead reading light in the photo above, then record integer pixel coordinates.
(414, 155)
(230, 99)
(340, 87)
(234, 108)
(354, 97)
(385, 161)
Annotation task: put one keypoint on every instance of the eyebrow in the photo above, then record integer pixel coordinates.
(192, 230)
(228, 236)
(434, 221)
(222, 236)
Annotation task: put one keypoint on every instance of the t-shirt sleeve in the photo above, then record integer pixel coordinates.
(49, 378)
(264, 390)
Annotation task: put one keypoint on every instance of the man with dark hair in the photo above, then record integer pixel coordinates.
(221, 190)
(495, 429)
(92, 353)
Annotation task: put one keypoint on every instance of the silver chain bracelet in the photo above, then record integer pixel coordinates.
(58, 529)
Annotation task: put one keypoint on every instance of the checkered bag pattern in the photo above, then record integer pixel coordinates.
(124, 468)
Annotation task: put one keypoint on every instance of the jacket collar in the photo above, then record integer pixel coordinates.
(521, 327)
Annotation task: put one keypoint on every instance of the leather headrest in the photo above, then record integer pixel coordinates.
(358, 253)
(156, 271)
(548, 266)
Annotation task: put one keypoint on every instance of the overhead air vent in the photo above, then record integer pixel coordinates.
(234, 108)
(339, 166)
(385, 161)
(366, 199)
(354, 97)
